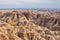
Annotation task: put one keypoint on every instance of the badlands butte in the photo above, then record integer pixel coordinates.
(29, 25)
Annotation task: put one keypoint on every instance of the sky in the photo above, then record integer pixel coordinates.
(29, 3)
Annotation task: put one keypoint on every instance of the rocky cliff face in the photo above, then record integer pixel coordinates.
(29, 25)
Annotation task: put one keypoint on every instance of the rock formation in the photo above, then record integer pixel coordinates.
(29, 25)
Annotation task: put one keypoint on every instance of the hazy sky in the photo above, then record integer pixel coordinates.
(29, 3)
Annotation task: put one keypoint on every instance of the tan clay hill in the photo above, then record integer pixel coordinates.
(29, 25)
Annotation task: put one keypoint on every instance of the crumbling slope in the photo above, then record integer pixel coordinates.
(29, 25)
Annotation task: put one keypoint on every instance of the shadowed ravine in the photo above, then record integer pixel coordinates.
(29, 25)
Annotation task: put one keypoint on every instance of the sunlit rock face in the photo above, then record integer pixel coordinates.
(46, 19)
(29, 25)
